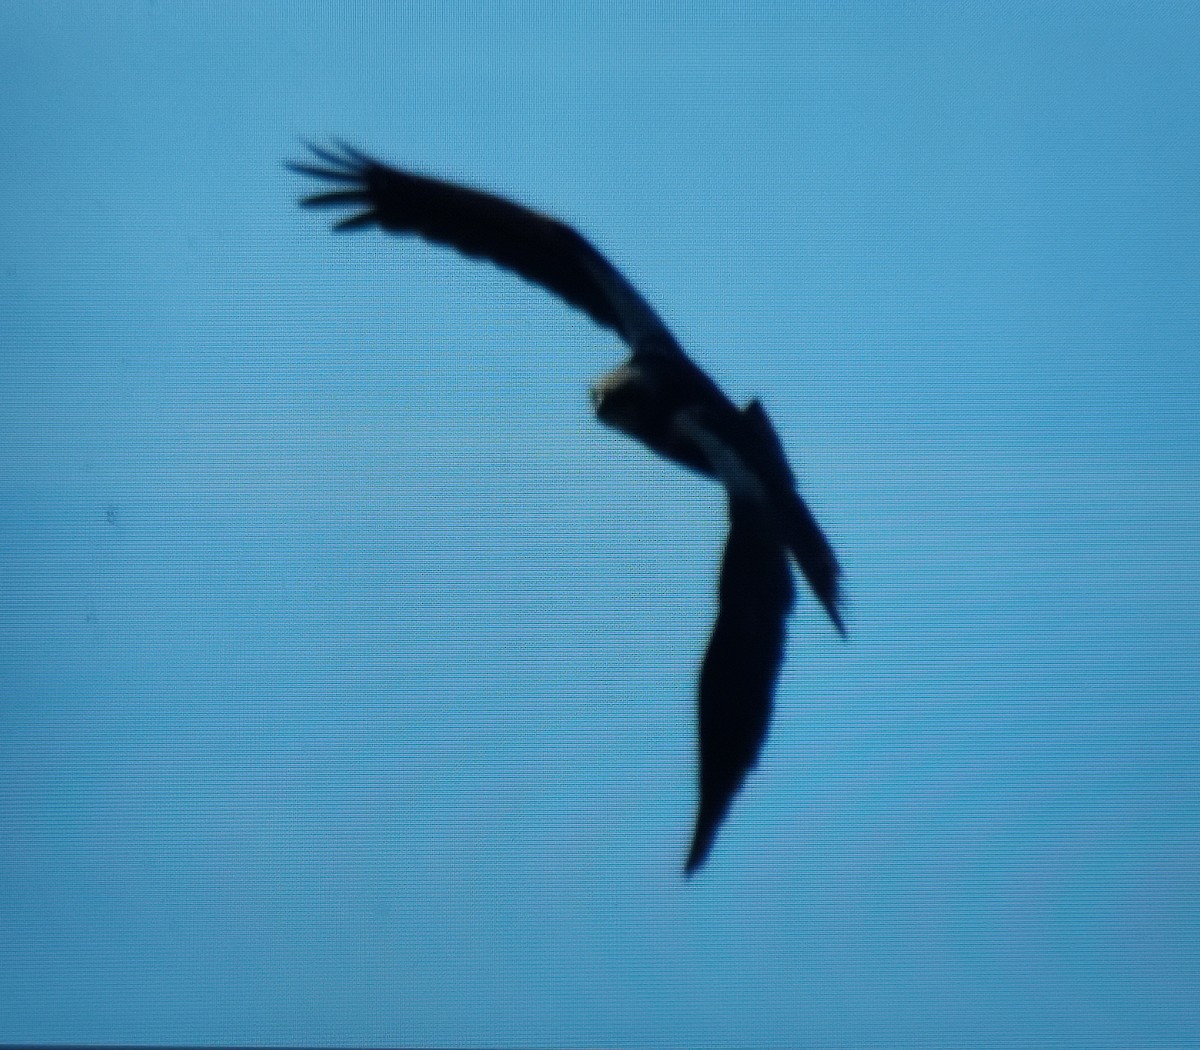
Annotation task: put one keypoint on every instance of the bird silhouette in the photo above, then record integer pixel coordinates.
(662, 399)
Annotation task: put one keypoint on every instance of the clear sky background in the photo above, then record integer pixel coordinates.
(347, 663)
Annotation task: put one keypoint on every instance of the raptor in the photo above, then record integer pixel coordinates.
(660, 397)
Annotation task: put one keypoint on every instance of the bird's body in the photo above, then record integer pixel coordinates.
(662, 399)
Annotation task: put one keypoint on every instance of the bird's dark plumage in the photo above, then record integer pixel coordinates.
(661, 398)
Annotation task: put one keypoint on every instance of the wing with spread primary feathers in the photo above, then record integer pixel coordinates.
(541, 249)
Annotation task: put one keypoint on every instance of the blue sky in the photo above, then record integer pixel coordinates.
(347, 663)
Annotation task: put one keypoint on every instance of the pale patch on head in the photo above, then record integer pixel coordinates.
(612, 383)
(620, 398)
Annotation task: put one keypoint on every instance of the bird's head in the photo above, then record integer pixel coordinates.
(620, 398)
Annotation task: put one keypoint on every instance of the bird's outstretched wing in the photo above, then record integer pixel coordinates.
(745, 650)
(539, 248)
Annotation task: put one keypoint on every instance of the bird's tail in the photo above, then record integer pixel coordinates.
(815, 556)
(802, 534)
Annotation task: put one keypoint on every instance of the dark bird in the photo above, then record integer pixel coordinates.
(661, 398)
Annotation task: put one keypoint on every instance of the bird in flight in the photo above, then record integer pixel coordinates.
(662, 399)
